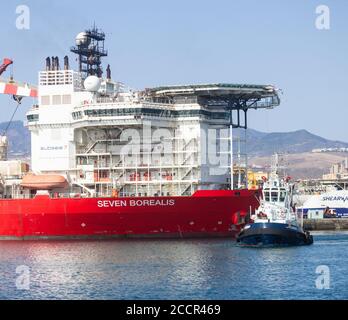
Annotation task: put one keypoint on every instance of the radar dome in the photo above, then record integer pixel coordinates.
(92, 83)
(82, 38)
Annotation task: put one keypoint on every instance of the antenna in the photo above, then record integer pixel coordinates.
(90, 49)
(279, 164)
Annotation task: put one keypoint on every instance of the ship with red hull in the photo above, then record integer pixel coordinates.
(205, 214)
(111, 162)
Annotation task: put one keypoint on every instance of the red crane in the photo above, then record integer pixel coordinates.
(17, 90)
(11, 87)
(7, 62)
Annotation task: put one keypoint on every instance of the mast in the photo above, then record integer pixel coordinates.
(90, 49)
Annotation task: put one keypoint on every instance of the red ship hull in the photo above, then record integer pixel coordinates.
(205, 214)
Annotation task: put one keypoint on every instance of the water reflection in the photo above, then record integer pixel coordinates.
(172, 269)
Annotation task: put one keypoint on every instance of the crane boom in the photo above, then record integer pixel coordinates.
(4, 65)
(11, 87)
(17, 89)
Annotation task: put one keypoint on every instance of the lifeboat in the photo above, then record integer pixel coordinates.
(44, 182)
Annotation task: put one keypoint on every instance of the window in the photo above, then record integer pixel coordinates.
(282, 195)
(66, 99)
(57, 99)
(137, 112)
(274, 195)
(266, 194)
(33, 117)
(45, 100)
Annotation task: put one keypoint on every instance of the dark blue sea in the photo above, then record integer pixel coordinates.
(173, 269)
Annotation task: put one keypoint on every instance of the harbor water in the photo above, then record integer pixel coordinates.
(174, 269)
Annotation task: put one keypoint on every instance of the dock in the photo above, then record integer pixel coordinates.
(325, 224)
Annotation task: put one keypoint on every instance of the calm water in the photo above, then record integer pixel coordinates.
(172, 269)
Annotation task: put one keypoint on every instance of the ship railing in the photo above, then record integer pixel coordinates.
(168, 179)
(54, 195)
(110, 102)
(84, 195)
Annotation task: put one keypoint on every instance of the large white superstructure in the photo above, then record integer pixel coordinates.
(161, 141)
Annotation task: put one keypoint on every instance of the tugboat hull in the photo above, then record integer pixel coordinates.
(273, 234)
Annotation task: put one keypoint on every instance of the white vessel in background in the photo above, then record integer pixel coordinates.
(326, 197)
(326, 205)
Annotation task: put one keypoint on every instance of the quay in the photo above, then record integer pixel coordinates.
(325, 224)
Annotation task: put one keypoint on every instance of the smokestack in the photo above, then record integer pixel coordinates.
(57, 63)
(53, 65)
(108, 72)
(48, 64)
(66, 63)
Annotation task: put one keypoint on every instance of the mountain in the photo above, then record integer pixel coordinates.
(305, 165)
(18, 137)
(258, 143)
(263, 144)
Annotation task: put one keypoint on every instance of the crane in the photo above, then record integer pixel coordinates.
(11, 87)
(7, 62)
(18, 91)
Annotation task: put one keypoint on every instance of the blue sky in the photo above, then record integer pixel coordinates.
(154, 43)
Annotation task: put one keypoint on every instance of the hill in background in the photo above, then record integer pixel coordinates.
(18, 137)
(260, 147)
(264, 144)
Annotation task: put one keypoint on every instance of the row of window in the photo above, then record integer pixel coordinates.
(56, 99)
(151, 112)
(275, 195)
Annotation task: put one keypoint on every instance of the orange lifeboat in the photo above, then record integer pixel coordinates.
(44, 181)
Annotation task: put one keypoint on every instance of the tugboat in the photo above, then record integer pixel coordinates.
(275, 222)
